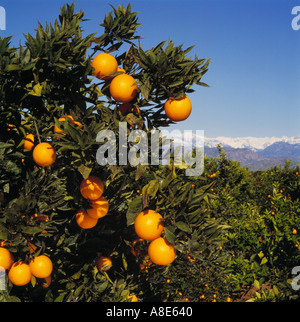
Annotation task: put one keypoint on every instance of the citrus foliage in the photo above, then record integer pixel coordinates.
(231, 229)
(48, 89)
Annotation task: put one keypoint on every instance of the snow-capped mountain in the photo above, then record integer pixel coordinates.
(252, 152)
(257, 153)
(252, 143)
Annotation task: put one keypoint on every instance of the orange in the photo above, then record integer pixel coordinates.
(47, 281)
(149, 225)
(104, 64)
(9, 126)
(44, 154)
(122, 88)
(29, 142)
(127, 108)
(99, 208)
(121, 70)
(20, 274)
(178, 110)
(40, 217)
(6, 258)
(63, 119)
(32, 247)
(41, 266)
(136, 251)
(84, 220)
(132, 298)
(104, 263)
(91, 188)
(161, 252)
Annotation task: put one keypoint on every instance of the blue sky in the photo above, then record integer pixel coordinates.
(255, 69)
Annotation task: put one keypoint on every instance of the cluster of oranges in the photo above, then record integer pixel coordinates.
(92, 189)
(20, 273)
(43, 153)
(149, 226)
(123, 88)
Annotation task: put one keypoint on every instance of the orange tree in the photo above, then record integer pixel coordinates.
(49, 90)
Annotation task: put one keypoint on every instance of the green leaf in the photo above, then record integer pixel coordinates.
(134, 208)
(102, 287)
(256, 284)
(5, 145)
(183, 226)
(31, 230)
(275, 290)
(260, 254)
(124, 262)
(36, 90)
(140, 171)
(33, 281)
(176, 83)
(12, 67)
(149, 191)
(170, 236)
(143, 57)
(203, 84)
(264, 261)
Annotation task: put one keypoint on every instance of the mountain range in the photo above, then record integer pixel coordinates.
(256, 153)
(253, 152)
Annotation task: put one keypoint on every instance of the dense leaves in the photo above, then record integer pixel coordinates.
(232, 229)
(49, 77)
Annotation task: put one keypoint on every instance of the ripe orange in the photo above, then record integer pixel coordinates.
(63, 119)
(121, 70)
(104, 64)
(161, 252)
(178, 110)
(20, 274)
(149, 225)
(9, 127)
(84, 220)
(46, 283)
(99, 208)
(44, 154)
(132, 298)
(41, 266)
(6, 258)
(104, 263)
(29, 142)
(123, 89)
(91, 188)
